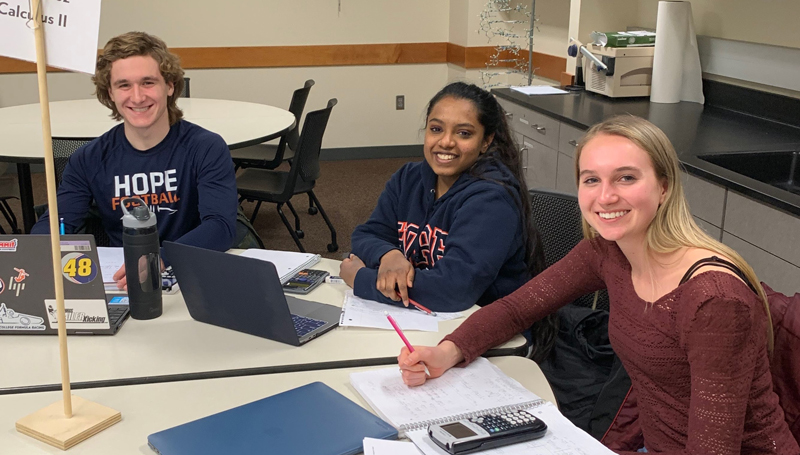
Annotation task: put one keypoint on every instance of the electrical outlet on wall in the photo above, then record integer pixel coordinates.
(400, 102)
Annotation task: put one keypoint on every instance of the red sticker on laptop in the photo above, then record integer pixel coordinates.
(78, 268)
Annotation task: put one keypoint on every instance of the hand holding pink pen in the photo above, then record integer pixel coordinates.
(405, 340)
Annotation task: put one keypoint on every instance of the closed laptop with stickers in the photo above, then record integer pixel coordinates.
(27, 290)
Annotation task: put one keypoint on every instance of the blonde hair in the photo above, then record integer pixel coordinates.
(673, 226)
(133, 44)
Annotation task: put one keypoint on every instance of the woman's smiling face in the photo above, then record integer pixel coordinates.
(453, 138)
(618, 190)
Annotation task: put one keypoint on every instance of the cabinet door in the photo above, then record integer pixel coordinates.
(767, 228)
(706, 200)
(542, 129)
(516, 116)
(568, 137)
(565, 180)
(777, 273)
(542, 165)
(710, 229)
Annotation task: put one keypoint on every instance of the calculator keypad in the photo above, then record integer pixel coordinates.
(305, 280)
(497, 422)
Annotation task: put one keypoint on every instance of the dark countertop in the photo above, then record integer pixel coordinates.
(694, 129)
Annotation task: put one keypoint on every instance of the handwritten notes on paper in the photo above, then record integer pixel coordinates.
(479, 386)
(358, 312)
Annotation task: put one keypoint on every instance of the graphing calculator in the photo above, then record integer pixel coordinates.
(305, 281)
(486, 431)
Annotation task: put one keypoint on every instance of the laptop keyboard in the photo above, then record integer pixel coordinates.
(304, 325)
(115, 312)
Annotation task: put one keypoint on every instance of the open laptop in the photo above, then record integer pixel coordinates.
(246, 295)
(27, 292)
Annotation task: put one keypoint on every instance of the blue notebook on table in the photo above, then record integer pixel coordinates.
(309, 420)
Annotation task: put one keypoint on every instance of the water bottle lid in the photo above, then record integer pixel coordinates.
(139, 217)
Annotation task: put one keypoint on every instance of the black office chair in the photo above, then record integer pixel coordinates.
(558, 219)
(62, 149)
(270, 156)
(185, 93)
(9, 189)
(278, 187)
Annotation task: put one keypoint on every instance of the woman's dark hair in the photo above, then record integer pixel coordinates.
(504, 149)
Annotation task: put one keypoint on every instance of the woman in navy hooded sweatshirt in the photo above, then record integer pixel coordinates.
(455, 229)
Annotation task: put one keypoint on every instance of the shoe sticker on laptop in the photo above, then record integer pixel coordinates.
(11, 320)
(17, 283)
(80, 313)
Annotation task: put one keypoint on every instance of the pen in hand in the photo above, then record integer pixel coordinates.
(417, 305)
(403, 337)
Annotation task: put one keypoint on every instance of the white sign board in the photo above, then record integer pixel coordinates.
(70, 31)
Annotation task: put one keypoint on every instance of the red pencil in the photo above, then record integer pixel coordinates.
(403, 337)
(418, 306)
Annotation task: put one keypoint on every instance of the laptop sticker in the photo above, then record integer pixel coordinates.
(80, 313)
(75, 245)
(17, 282)
(9, 245)
(78, 268)
(11, 320)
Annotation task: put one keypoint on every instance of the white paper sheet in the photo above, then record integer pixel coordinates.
(111, 259)
(539, 90)
(374, 446)
(358, 312)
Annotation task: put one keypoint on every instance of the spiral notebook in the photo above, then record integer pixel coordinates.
(462, 393)
(287, 263)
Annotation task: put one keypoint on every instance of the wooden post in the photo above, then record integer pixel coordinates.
(52, 206)
(49, 424)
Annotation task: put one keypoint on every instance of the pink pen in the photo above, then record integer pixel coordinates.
(405, 340)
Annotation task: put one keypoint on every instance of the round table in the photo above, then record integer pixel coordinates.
(239, 123)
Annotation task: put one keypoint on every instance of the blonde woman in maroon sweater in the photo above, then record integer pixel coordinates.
(695, 341)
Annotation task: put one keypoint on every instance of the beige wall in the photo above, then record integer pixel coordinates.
(772, 22)
(365, 115)
(197, 23)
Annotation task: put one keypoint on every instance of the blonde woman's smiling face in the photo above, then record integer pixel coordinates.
(618, 190)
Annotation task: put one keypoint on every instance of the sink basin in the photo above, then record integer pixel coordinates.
(776, 168)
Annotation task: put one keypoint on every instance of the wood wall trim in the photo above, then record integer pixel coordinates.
(456, 54)
(548, 66)
(295, 56)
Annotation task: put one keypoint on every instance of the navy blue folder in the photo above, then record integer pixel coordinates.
(310, 420)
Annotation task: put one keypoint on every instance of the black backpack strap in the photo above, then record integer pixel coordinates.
(717, 262)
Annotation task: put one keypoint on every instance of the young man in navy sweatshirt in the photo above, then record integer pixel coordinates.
(182, 171)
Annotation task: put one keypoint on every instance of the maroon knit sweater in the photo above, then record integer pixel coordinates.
(697, 356)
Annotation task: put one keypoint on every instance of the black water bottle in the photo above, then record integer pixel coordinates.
(142, 260)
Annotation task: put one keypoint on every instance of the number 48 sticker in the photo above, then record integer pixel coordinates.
(78, 268)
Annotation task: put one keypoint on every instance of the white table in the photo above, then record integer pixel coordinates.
(239, 123)
(175, 347)
(150, 408)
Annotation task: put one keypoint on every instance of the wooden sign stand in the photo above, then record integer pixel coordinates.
(73, 419)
